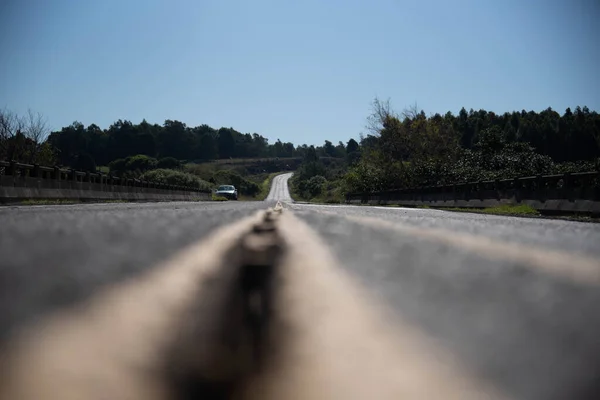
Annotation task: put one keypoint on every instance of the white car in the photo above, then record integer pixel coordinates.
(227, 191)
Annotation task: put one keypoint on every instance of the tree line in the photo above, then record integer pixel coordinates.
(410, 149)
(397, 150)
(24, 138)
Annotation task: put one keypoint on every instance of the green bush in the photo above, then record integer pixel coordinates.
(314, 186)
(132, 166)
(168, 163)
(173, 177)
(117, 166)
(140, 163)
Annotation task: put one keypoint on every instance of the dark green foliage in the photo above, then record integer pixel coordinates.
(132, 166)
(172, 140)
(314, 176)
(310, 169)
(173, 177)
(315, 184)
(410, 149)
(84, 162)
(352, 152)
(477, 145)
(169, 163)
(117, 167)
(140, 163)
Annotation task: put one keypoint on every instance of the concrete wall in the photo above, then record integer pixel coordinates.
(558, 193)
(25, 188)
(558, 205)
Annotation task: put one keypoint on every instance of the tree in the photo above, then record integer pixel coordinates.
(352, 152)
(311, 155)
(11, 125)
(352, 146)
(329, 149)
(288, 149)
(278, 149)
(381, 111)
(208, 148)
(36, 130)
(226, 143)
(70, 142)
(175, 140)
(21, 137)
(84, 162)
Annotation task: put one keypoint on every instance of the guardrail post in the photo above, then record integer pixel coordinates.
(13, 168)
(497, 188)
(568, 187)
(566, 180)
(517, 188)
(56, 176)
(12, 171)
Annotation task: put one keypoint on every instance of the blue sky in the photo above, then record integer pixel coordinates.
(302, 71)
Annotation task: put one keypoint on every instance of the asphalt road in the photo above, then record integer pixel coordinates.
(279, 189)
(55, 256)
(530, 330)
(516, 301)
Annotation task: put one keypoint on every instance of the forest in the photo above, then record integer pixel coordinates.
(411, 149)
(84, 147)
(396, 150)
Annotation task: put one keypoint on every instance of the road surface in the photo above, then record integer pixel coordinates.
(372, 302)
(279, 189)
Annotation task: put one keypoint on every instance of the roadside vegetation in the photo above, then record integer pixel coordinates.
(412, 149)
(396, 150)
(506, 209)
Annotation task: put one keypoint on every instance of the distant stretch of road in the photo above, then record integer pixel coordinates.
(279, 189)
(372, 302)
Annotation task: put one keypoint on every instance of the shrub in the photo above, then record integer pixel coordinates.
(117, 167)
(168, 163)
(173, 177)
(314, 186)
(140, 163)
(132, 166)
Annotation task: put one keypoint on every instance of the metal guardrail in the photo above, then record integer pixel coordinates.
(20, 175)
(570, 186)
